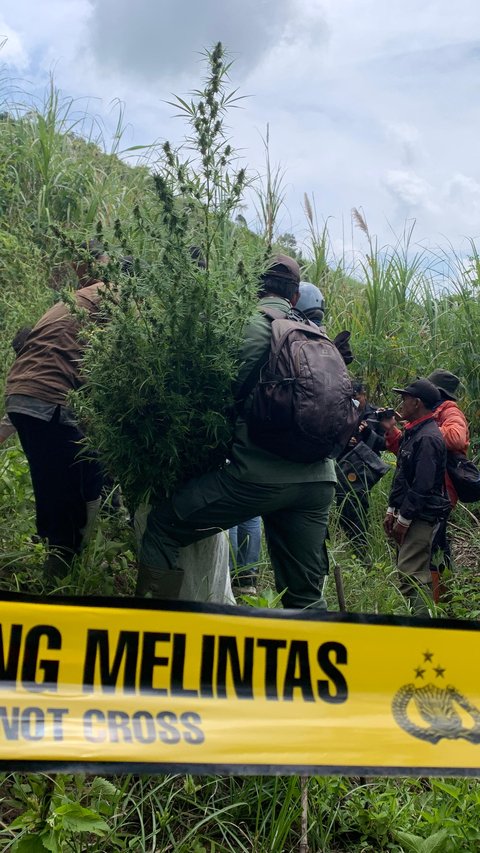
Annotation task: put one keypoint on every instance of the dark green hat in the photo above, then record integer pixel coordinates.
(446, 382)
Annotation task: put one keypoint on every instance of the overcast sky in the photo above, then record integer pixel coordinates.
(371, 103)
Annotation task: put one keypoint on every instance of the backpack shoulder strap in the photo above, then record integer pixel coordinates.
(249, 384)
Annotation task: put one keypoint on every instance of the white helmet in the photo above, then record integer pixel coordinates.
(311, 300)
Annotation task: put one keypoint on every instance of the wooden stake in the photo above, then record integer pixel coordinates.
(303, 848)
(337, 572)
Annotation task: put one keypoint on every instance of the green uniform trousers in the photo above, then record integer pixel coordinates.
(295, 517)
(413, 566)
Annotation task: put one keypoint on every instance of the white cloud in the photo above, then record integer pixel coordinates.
(12, 52)
(369, 104)
(464, 192)
(409, 189)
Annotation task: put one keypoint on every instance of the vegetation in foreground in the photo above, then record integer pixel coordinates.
(190, 814)
(404, 320)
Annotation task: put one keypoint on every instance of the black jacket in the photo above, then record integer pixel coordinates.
(418, 487)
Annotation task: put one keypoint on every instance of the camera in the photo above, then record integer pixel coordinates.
(383, 414)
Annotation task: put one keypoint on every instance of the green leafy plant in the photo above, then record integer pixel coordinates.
(53, 820)
(435, 843)
(170, 345)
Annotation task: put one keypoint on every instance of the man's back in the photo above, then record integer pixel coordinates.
(250, 462)
(292, 498)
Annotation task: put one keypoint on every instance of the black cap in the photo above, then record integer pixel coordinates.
(424, 390)
(446, 382)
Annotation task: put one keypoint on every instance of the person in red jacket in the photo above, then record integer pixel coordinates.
(451, 420)
(454, 428)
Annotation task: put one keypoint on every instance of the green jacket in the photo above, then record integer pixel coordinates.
(248, 461)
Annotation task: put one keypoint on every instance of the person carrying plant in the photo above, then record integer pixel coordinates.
(417, 501)
(66, 485)
(292, 497)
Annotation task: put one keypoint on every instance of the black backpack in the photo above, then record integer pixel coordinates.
(465, 477)
(302, 407)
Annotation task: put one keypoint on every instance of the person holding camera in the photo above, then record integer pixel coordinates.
(359, 468)
(454, 428)
(418, 501)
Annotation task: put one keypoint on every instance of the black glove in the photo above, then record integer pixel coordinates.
(342, 344)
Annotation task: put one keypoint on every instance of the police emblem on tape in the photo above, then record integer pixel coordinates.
(444, 711)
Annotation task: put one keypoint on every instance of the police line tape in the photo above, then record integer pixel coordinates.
(128, 684)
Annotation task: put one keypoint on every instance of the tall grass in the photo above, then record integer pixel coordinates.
(410, 309)
(269, 192)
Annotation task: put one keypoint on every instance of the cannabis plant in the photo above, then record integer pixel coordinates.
(157, 400)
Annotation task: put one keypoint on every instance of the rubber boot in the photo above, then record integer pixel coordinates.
(157, 583)
(436, 585)
(92, 508)
(57, 566)
(421, 601)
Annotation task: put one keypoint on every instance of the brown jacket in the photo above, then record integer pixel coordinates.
(48, 366)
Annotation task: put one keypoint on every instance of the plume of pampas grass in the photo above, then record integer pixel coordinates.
(360, 221)
(308, 209)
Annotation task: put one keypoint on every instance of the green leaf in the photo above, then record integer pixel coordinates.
(50, 841)
(451, 790)
(413, 843)
(78, 819)
(268, 598)
(28, 818)
(135, 148)
(416, 844)
(435, 842)
(29, 844)
(104, 788)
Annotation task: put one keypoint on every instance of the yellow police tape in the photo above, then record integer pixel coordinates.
(118, 683)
